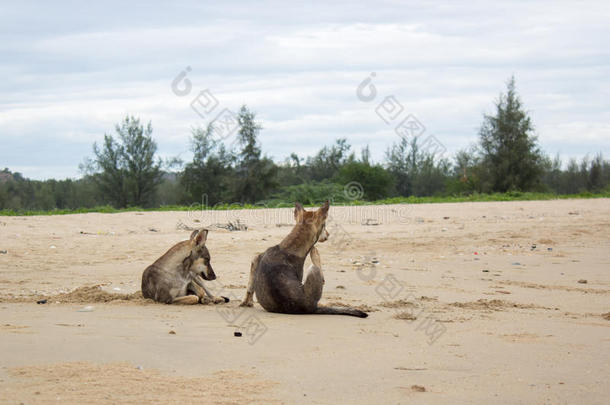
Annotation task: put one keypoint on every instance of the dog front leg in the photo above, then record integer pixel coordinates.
(199, 291)
(205, 294)
(249, 299)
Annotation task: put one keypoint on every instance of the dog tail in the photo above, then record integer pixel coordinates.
(341, 311)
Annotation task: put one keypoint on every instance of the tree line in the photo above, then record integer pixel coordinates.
(125, 170)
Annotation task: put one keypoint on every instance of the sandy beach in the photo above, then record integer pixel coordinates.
(505, 302)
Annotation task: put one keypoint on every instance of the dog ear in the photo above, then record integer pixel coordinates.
(324, 210)
(298, 212)
(199, 237)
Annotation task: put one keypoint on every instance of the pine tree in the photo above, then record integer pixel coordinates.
(125, 168)
(256, 175)
(511, 158)
(206, 179)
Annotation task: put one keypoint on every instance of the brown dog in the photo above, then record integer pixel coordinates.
(177, 276)
(276, 276)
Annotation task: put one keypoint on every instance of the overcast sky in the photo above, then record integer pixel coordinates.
(71, 70)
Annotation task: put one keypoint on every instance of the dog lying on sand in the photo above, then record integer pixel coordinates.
(177, 276)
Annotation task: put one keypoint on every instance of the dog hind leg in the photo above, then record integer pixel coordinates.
(316, 270)
(186, 300)
(314, 283)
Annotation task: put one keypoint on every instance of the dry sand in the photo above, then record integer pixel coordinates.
(469, 303)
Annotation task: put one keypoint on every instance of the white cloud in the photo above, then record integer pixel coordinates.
(75, 73)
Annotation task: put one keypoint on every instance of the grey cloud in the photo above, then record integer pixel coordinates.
(73, 69)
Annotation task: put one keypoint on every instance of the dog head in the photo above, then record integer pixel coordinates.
(314, 219)
(199, 258)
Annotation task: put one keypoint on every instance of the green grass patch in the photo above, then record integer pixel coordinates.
(511, 196)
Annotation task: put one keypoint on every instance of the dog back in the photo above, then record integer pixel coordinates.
(278, 282)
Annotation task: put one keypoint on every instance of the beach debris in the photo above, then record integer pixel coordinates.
(418, 388)
(140, 367)
(533, 246)
(370, 222)
(573, 213)
(153, 230)
(184, 227)
(3, 252)
(410, 368)
(88, 308)
(99, 233)
(237, 225)
(516, 264)
(444, 230)
(485, 271)
(406, 315)
(41, 301)
(582, 281)
(52, 247)
(171, 332)
(606, 316)
(549, 249)
(234, 286)
(237, 334)
(340, 287)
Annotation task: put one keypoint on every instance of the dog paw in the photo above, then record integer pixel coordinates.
(205, 300)
(246, 304)
(220, 300)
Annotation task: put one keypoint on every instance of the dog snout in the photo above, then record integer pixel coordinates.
(323, 236)
(208, 273)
